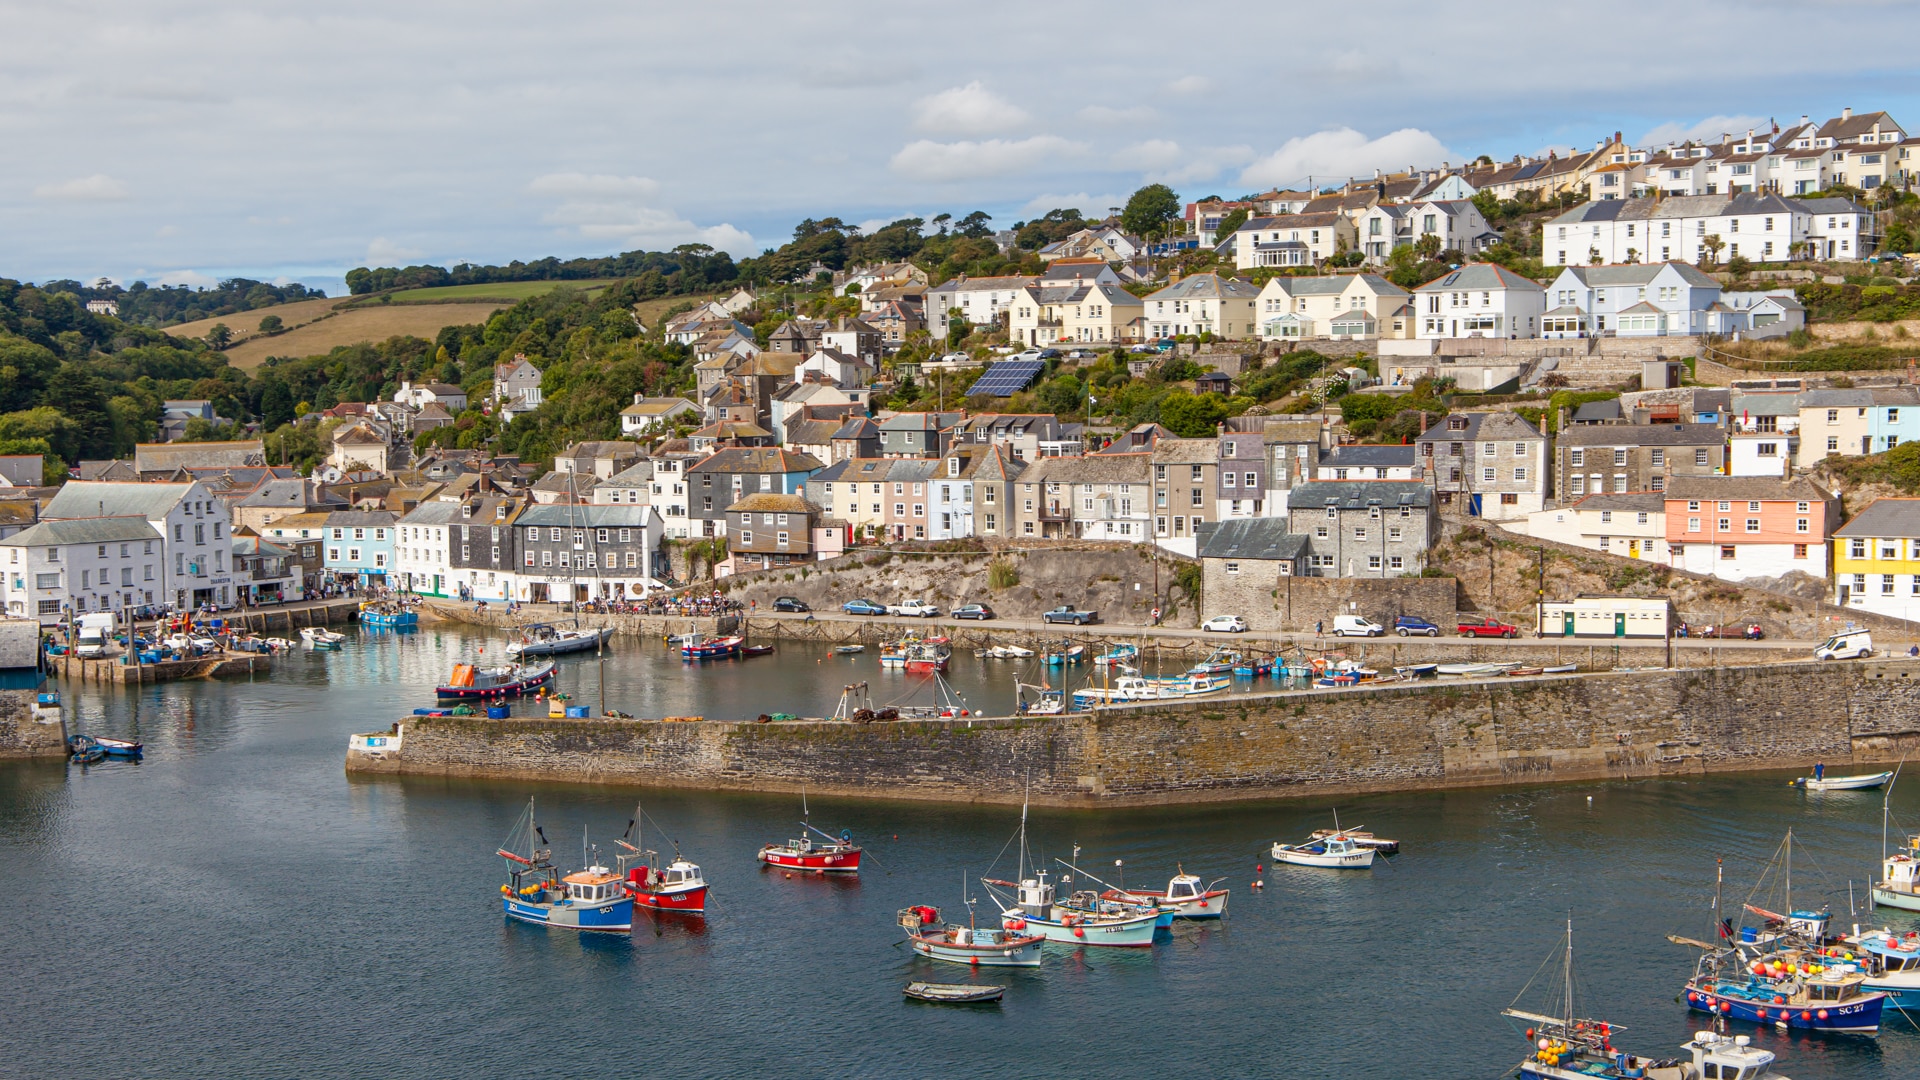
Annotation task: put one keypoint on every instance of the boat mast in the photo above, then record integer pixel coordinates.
(1569, 971)
(1789, 872)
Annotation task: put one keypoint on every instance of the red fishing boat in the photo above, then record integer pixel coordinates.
(679, 886)
(838, 855)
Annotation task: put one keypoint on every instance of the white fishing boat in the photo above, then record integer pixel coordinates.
(1008, 652)
(1474, 670)
(1031, 908)
(319, 637)
(1820, 781)
(1361, 837)
(1899, 882)
(1046, 701)
(1185, 894)
(541, 639)
(1338, 851)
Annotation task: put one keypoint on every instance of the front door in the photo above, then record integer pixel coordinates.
(1633, 549)
(1619, 624)
(1566, 619)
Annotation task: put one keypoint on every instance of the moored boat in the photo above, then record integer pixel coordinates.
(839, 855)
(1185, 894)
(1890, 961)
(535, 892)
(1361, 837)
(1001, 946)
(319, 637)
(1066, 654)
(1119, 654)
(1218, 662)
(848, 650)
(1034, 910)
(679, 886)
(543, 639)
(387, 614)
(756, 650)
(85, 749)
(1829, 999)
(954, 993)
(1007, 652)
(1337, 852)
(510, 680)
(120, 748)
(712, 648)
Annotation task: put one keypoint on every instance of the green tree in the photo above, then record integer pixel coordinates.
(1192, 416)
(1712, 244)
(1427, 246)
(1151, 212)
(271, 324)
(1230, 224)
(220, 336)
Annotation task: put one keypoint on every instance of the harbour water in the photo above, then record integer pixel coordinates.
(236, 906)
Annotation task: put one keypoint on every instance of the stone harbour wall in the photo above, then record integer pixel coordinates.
(1270, 602)
(1393, 737)
(28, 729)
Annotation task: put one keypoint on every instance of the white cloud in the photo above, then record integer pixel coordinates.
(1188, 85)
(576, 185)
(193, 278)
(968, 110)
(1708, 130)
(1152, 154)
(96, 188)
(1091, 206)
(1342, 152)
(384, 252)
(967, 160)
(1107, 115)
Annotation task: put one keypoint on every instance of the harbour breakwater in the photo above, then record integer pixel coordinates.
(29, 727)
(1393, 737)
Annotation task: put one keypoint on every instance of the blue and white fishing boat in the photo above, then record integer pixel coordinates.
(386, 613)
(588, 899)
(1030, 908)
(1066, 655)
(1890, 961)
(999, 946)
(1119, 654)
(1566, 1047)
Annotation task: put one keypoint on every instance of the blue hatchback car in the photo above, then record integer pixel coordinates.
(1409, 625)
(863, 607)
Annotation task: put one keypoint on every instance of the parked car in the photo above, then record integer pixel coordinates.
(1027, 354)
(789, 603)
(973, 611)
(956, 358)
(1409, 625)
(863, 607)
(1488, 628)
(914, 609)
(1049, 354)
(1356, 626)
(1067, 613)
(1855, 646)
(1225, 624)
(1081, 354)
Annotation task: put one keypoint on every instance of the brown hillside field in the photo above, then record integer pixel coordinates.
(356, 325)
(244, 324)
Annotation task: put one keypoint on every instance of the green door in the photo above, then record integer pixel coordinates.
(1619, 624)
(1567, 618)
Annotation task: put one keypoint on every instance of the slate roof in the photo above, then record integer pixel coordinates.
(1480, 276)
(1359, 494)
(1253, 539)
(1638, 274)
(1639, 502)
(616, 515)
(1207, 287)
(1762, 488)
(1370, 457)
(1642, 435)
(92, 530)
(83, 499)
(1492, 426)
(756, 459)
(1885, 517)
(767, 502)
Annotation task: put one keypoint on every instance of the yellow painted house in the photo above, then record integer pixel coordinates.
(1876, 559)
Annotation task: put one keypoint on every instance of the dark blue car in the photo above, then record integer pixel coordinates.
(863, 607)
(1409, 625)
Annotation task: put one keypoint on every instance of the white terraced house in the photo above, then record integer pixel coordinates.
(195, 530)
(1479, 300)
(78, 565)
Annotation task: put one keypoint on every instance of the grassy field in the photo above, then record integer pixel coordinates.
(510, 291)
(316, 326)
(246, 323)
(356, 325)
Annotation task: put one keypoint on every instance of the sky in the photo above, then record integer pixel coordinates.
(184, 142)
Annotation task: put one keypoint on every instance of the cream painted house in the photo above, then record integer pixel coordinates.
(1834, 423)
(1081, 312)
(1225, 307)
(1360, 306)
(1632, 525)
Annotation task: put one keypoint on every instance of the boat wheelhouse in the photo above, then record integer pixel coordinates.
(1186, 895)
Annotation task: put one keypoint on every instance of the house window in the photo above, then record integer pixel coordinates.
(1693, 524)
(1619, 456)
(746, 537)
(1700, 458)
(1726, 551)
(1576, 458)
(1857, 549)
(1801, 525)
(1233, 568)
(1753, 525)
(1800, 552)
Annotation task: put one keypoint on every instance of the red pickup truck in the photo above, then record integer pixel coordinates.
(1487, 628)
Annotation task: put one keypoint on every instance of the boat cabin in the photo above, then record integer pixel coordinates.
(1891, 951)
(594, 885)
(1717, 1057)
(1902, 873)
(1184, 887)
(1036, 895)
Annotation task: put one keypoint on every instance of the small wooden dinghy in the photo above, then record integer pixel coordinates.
(954, 993)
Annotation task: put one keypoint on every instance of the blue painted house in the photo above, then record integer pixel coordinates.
(359, 546)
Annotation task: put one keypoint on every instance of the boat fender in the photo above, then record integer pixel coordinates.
(506, 890)
(1805, 1015)
(1823, 1014)
(1079, 933)
(1017, 924)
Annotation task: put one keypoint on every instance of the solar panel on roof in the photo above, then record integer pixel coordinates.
(1007, 378)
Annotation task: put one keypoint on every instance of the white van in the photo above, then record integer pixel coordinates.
(1853, 646)
(1356, 626)
(95, 635)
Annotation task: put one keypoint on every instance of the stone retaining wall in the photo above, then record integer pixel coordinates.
(29, 730)
(1396, 737)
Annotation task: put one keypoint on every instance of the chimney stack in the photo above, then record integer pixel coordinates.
(1846, 113)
